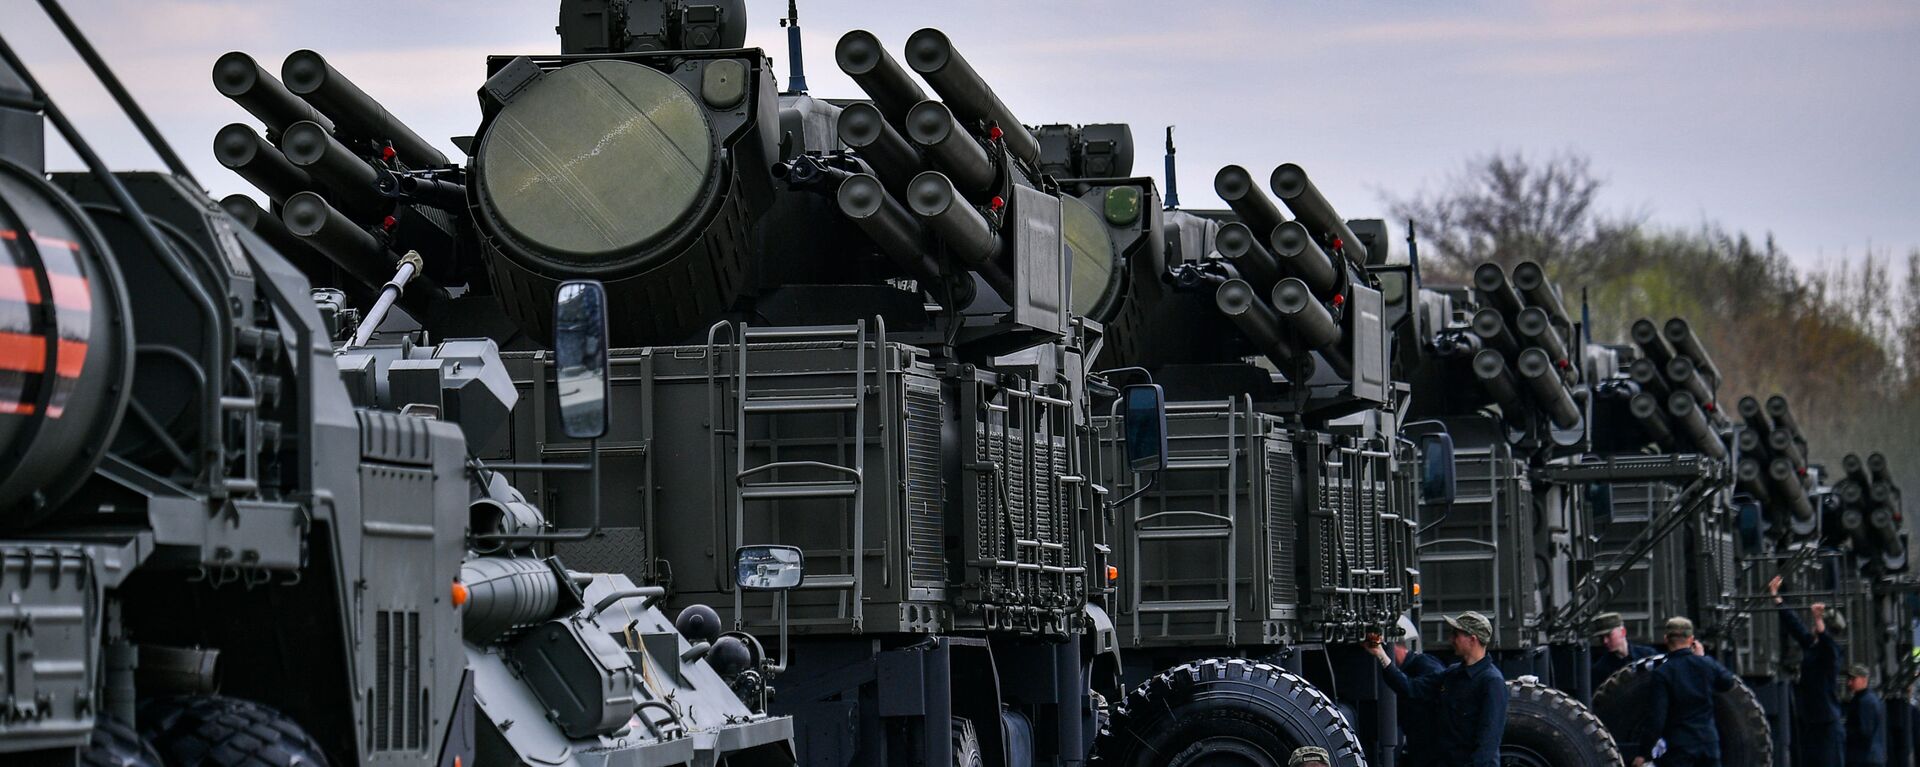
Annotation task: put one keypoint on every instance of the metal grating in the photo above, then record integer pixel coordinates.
(926, 529)
(398, 703)
(1281, 526)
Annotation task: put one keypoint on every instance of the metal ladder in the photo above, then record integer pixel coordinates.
(1203, 525)
(753, 483)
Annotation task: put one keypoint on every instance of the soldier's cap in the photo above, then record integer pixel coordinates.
(1679, 627)
(1858, 670)
(1472, 624)
(1604, 624)
(1308, 755)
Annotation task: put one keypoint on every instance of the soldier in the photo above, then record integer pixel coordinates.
(1681, 702)
(1817, 731)
(1471, 695)
(1419, 733)
(1310, 756)
(1614, 652)
(1866, 722)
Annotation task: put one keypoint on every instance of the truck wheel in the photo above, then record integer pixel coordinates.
(116, 745)
(1225, 711)
(1548, 728)
(217, 731)
(966, 744)
(1745, 735)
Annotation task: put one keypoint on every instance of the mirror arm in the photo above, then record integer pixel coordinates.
(1153, 478)
(593, 499)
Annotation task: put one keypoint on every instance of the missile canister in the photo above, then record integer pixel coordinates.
(1679, 334)
(1549, 392)
(1237, 245)
(932, 55)
(1531, 280)
(1491, 328)
(309, 76)
(243, 151)
(861, 56)
(1236, 186)
(1239, 301)
(1647, 336)
(1646, 410)
(238, 77)
(932, 126)
(1301, 257)
(1688, 419)
(1291, 185)
(1491, 282)
(1490, 368)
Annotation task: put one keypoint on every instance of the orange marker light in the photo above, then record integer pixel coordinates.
(459, 599)
(1416, 589)
(1113, 573)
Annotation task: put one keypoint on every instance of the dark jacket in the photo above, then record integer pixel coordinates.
(1866, 731)
(1605, 663)
(1472, 709)
(1819, 672)
(1417, 723)
(1681, 704)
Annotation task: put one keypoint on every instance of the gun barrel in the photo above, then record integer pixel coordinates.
(1291, 185)
(1531, 280)
(1490, 368)
(1691, 422)
(309, 76)
(238, 77)
(863, 198)
(1684, 376)
(1647, 337)
(1679, 334)
(1548, 391)
(968, 236)
(1786, 488)
(1491, 282)
(243, 151)
(309, 217)
(1646, 410)
(861, 56)
(1241, 302)
(1305, 314)
(309, 147)
(1645, 372)
(1536, 326)
(1301, 257)
(1236, 243)
(930, 124)
(863, 128)
(931, 54)
(1236, 186)
(1492, 330)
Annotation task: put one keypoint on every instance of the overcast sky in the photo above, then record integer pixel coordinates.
(1794, 117)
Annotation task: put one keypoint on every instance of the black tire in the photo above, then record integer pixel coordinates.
(114, 744)
(966, 744)
(1230, 711)
(1745, 735)
(216, 731)
(1548, 728)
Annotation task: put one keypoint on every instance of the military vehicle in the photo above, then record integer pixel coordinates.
(232, 533)
(840, 329)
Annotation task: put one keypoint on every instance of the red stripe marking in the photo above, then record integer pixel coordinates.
(16, 408)
(9, 235)
(71, 359)
(19, 285)
(53, 242)
(22, 352)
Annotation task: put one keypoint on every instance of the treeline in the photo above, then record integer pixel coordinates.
(1842, 343)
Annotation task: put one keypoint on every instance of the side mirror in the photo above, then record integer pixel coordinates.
(1144, 418)
(1438, 481)
(580, 357)
(768, 568)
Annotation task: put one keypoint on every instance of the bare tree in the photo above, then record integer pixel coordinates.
(1508, 208)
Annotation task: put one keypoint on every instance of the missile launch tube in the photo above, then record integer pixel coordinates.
(309, 217)
(1679, 334)
(1491, 281)
(1755, 416)
(1236, 243)
(1531, 280)
(1236, 186)
(1291, 185)
(1492, 331)
(1878, 470)
(1787, 489)
(967, 235)
(861, 56)
(1301, 257)
(1684, 376)
(1691, 423)
(1782, 415)
(1752, 479)
(1652, 346)
(1646, 410)
(244, 152)
(1646, 372)
(1305, 314)
(309, 76)
(932, 55)
(864, 199)
(238, 77)
(1855, 469)
(931, 125)
(309, 147)
(1536, 326)
(1780, 443)
(1490, 368)
(864, 129)
(1241, 302)
(1548, 390)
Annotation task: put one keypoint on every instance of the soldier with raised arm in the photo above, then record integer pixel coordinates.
(1817, 725)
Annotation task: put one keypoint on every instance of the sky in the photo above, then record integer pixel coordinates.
(1795, 118)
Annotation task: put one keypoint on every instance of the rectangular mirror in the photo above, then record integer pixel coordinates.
(768, 568)
(1438, 482)
(1143, 416)
(580, 357)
